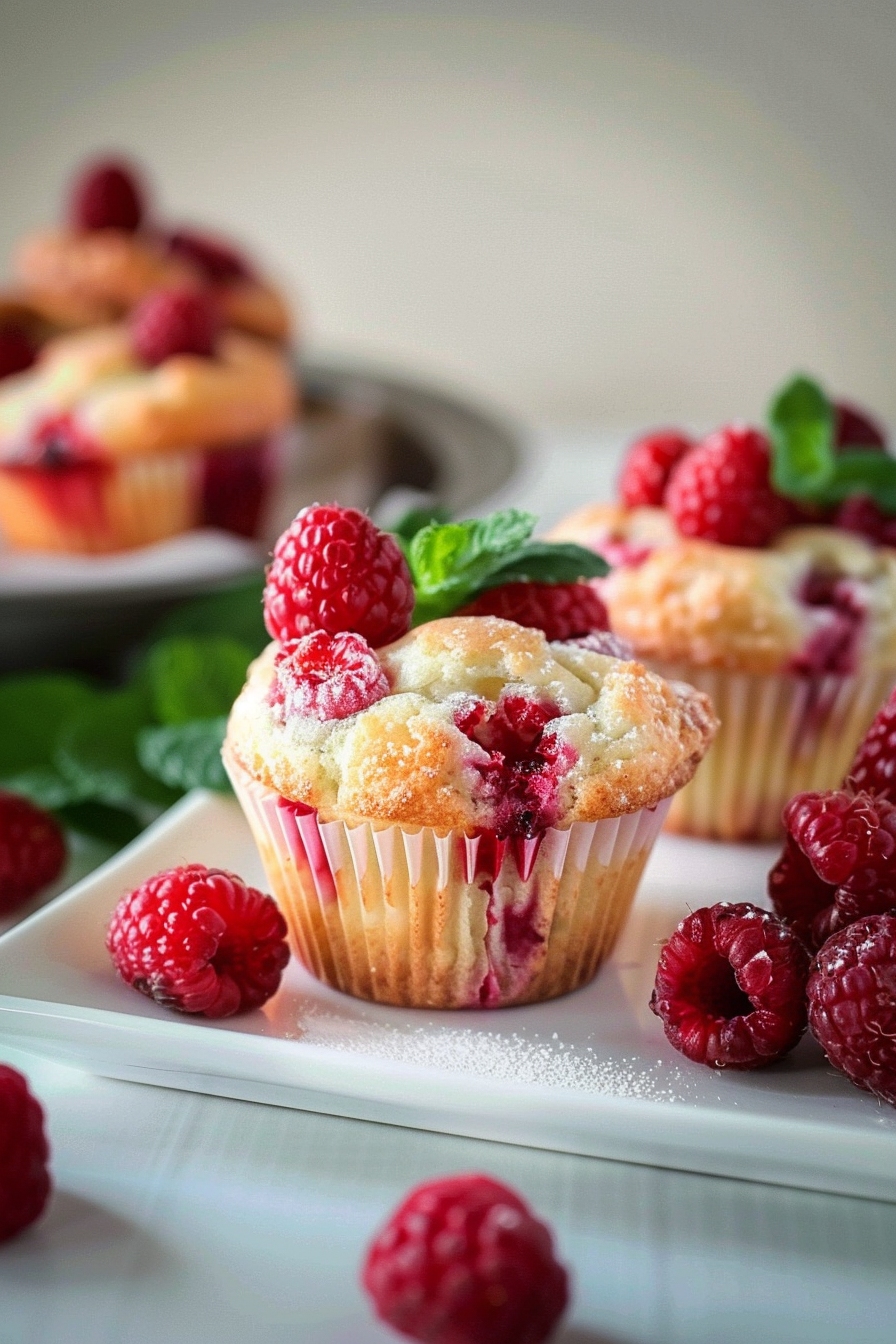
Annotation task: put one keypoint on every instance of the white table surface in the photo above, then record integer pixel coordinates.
(195, 1220)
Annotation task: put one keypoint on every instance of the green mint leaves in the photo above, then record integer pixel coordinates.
(452, 562)
(805, 464)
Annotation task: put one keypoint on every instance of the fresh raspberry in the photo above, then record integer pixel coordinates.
(177, 321)
(327, 677)
(464, 1260)
(861, 515)
(32, 850)
(874, 765)
(721, 490)
(561, 610)
(333, 570)
(798, 894)
(218, 262)
(17, 351)
(730, 987)
(854, 428)
(24, 1153)
(107, 195)
(852, 1003)
(648, 466)
(199, 940)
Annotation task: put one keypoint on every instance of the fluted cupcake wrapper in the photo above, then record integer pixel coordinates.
(780, 735)
(413, 917)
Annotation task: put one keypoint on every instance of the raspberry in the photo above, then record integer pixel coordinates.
(561, 610)
(854, 428)
(218, 261)
(861, 515)
(32, 850)
(721, 490)
(17, 351)
(730, 987)
(798, 894)
(181, 321)
(648, 466)
(24, 1152)
(107, 195)
(463, 1260)
(874, 764)
(199, 940)
(333, 570)
(327, 677)
(852, 1003)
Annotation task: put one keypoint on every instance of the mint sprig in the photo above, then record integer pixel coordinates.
(806, 465)
(451, 563)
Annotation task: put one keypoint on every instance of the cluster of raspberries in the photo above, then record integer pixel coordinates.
(736, 985)
(720, 489)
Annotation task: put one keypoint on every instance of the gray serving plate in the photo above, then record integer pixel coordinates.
(366, 437)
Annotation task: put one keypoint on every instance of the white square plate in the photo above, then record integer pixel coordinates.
(591, 1073)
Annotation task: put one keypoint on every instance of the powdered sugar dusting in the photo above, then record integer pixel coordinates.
(498, 1056)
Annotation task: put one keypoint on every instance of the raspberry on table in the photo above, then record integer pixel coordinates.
(730, 987)
(17, 351)
(333, 570)
(852, 1003)
(799, 896)
(327, 677)
(721, 491)
(107, 195)
(24, 1154)
(219, 262)
(463, 1260)
(850, 840)
(199, 940)
(32, 850)
(874, 764)
(176, 321)
(855, 428)
(561, 610)
(648, 465)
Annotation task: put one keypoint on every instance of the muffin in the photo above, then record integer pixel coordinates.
(129, 433)
(792, 634)
(459, 818)
(112, 253)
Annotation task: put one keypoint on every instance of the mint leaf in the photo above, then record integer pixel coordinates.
(414, 521)
(33, 711)
(100, 821)
(97, 753)
(45, 786)
(801, 424)
(236, 611)
(186, 755)
(549, 562)
(449, 561)
(195, 677)
(863, 473)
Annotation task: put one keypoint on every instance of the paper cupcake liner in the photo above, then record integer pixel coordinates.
(408, 916)
(780, 735)
(98, 507)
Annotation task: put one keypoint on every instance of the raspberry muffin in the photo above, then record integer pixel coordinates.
(111, 254)
(782, 608)
(459, 817)
(126, 434)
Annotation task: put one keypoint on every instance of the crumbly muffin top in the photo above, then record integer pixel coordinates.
(121, 408)
(816, 600)
(486, 725)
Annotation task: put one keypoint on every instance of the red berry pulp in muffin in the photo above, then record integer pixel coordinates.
(730, 987)
(874, 764)
(334, 570)
(721, 491)
(17, 351)
(199, 940)
(852, 1003)
(327, 676)
(32, 850)
(463, 1260)
(218, 261)
(107, 195)
(24, 1153)
(176, 321)
(561, 610)
(648, 465)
